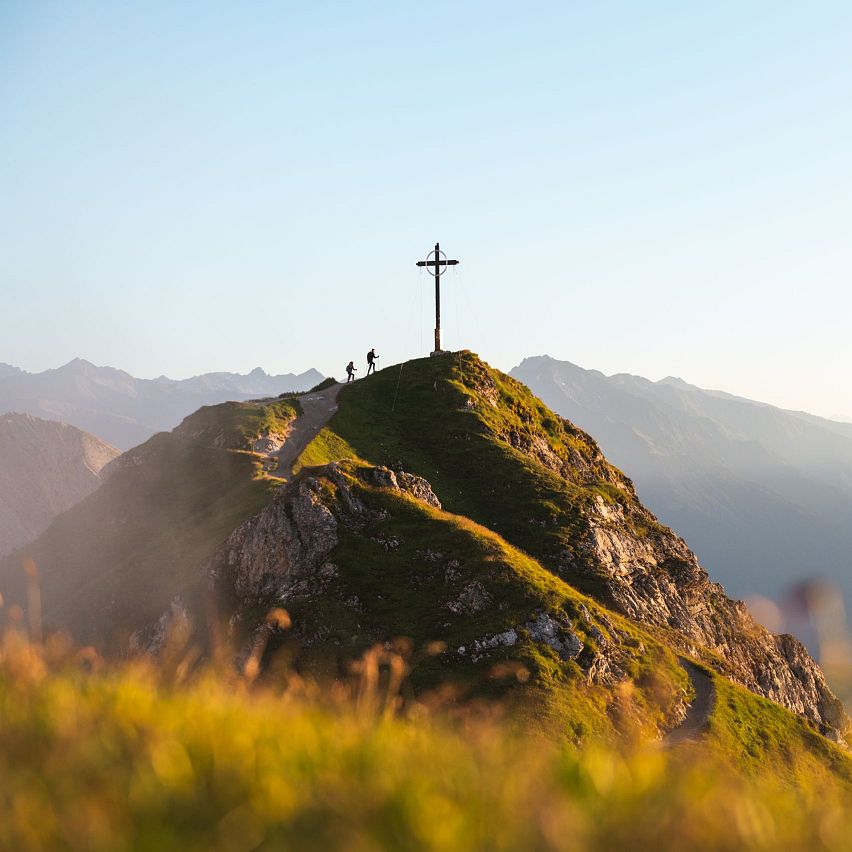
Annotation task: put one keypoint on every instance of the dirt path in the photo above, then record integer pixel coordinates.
(317, 410)
(698, 713)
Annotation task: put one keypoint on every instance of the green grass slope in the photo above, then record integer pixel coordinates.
(762, 739)
(234, 425)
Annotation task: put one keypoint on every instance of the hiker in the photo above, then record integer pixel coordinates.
(371, 361)
(350, 371)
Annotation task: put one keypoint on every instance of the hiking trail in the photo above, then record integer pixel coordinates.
(317, 409)
(698, 713)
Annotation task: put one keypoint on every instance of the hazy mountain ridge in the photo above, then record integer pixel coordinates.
(762, 494)
(124, 410)
(45, 469)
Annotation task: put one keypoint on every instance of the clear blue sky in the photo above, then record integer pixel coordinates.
(656, 188)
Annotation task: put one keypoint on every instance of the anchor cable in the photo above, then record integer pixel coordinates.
(396, 392)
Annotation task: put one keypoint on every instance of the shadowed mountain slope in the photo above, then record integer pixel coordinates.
(45, 468)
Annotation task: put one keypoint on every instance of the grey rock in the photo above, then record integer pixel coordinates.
(429, 555)
(416, 486)
(560, 637)
(656, 579)
(385, 478)
(278, 551)
(151, 640)
(473, 598)
(452, 572)
(506, 639)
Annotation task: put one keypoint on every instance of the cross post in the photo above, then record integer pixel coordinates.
(434, 263)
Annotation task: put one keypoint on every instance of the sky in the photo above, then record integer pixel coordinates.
(659, 188)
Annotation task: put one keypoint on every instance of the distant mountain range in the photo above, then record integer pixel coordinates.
(125, 411)
(763, 495)
(45, 469)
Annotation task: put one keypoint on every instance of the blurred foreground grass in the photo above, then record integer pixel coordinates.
(101, 757)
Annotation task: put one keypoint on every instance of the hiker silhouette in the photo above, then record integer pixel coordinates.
(350, 372)
(371, 361)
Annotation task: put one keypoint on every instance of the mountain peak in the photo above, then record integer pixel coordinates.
(7, 370)
(537, 360)
(77, 366)
(677, 382)
(78, 363)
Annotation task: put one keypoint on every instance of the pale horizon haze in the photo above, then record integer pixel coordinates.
(658, 189)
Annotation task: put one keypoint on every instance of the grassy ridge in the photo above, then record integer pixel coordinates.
(126, 759)
(235, 425)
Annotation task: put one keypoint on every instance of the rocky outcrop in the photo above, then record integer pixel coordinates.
(651, 575)
(553, 630)
(704, 461)
(415, 486)
(268, 443)
(557, 634)
(282, 552)
(285, 554)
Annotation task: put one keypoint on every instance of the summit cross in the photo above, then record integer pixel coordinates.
(435, 261)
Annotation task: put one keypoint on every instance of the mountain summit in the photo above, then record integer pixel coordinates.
(444, 503)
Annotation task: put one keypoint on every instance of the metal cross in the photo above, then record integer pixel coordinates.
(435, 260)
